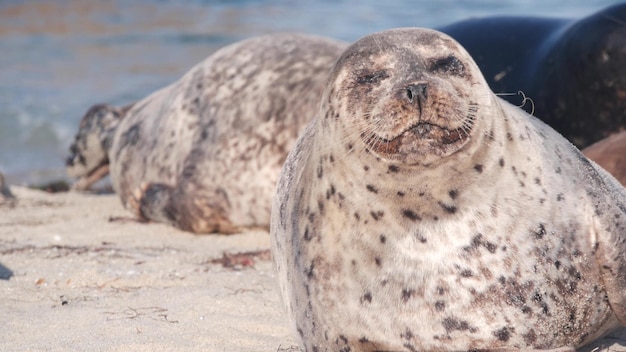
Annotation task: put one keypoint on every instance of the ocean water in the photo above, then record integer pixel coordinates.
(59, 57)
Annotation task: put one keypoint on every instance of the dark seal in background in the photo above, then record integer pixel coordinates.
(573, 70)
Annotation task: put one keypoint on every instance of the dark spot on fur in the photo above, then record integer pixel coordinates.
(357, 216)
(400, 194)
(530, 337)
(393, 168)
(343, 339)
(408, 334)
(377, 261)
(560, 197)
(450, 209)
(558, 170)
(410, 347)
(364, 340)
(541, 231)
(453, 193)
(503, 334)
(478, 168)
(131, 136)
(440, 306)
(371, 188)
(320, 205)
(366, 168)
(307, 236)
(320, 171)
(451, 324)
(501, 162)
(377, 214)
(409, 214)
(383, 239)
(467, 273)
(309, 272)
(406, 294)
(367, 297)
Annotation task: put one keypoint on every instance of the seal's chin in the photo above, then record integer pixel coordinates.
(419, 140)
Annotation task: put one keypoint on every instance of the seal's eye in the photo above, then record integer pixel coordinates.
(371, 77)
(449, 65)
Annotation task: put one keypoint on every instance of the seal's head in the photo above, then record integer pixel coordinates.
(89, 152)
(412, 95)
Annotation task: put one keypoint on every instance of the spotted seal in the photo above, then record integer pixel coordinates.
(204, 153)
(419, 212)
(572, 68)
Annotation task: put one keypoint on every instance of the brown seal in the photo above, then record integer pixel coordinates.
(420, 212)
(610, 153)
(204, 153)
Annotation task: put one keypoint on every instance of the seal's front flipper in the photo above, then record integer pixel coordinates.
(184, 210)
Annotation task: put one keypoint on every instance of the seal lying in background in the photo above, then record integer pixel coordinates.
(204, 153)
(573, 70)
(420, 212)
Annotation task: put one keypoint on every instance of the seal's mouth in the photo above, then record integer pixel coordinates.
(416, 138)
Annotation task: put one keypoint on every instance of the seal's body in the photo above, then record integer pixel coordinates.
(420, 212)
(572, 69)
(204, 153)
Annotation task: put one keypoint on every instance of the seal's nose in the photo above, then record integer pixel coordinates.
(417, 92)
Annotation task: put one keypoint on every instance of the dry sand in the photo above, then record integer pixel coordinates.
(78, 274)
(86, 277)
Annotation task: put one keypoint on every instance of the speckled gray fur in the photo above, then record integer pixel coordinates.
(420, 212)
(204, 153)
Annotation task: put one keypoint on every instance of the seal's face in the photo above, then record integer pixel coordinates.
(412, 96)
(89, 152)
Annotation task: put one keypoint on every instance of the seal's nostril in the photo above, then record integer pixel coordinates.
(416, 91)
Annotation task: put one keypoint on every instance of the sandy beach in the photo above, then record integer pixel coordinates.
(77, 273)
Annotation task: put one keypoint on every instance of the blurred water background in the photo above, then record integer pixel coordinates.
(59, 57)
